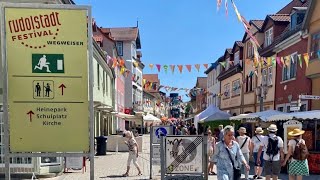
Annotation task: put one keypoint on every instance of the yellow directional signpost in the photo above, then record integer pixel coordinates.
(47, 61)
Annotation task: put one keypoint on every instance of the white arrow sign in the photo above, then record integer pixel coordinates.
(310, 97)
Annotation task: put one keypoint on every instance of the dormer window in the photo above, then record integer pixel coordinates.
(268, 37)
(296, 19)
(237, 58)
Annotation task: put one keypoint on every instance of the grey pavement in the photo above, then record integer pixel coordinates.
(113, 165)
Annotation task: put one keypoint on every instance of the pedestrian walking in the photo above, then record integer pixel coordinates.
(297, 156)
(273, 156)
(256, 142)
(133, 153)
(227, 154)
(192, 130)
(220, 138)
(245, 144)
(210, 150)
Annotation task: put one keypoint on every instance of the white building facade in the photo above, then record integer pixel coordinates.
(213, 85)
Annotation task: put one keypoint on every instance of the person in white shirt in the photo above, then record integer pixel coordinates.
(273, 155)
(245, 144)
(256, 141)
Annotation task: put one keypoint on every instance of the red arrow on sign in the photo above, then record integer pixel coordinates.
(30, 113)
(62, 86)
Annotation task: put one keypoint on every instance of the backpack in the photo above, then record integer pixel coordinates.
(300, 152)
(272, 148)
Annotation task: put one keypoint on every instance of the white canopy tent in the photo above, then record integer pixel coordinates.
(263, 115)
(150, 117)
(212, 113)
(315, 114)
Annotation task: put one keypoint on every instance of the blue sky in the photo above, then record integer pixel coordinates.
(181, 31)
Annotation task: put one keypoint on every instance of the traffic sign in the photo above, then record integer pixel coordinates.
(158, 130)
(47, 60)
(309, 97)
(294, 108)
(184, 154)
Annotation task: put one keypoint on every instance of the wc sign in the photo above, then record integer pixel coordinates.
(47, 63)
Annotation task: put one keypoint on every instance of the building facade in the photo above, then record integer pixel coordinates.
(312, 25)
(213, 84)
(292, 44)
(201, 94)
(249, 97)
(231, 80)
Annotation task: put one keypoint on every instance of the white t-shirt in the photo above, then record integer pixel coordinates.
(245, 148)
(293, 143)
(257, 142)
(265, 142)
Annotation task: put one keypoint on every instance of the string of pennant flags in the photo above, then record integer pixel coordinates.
(180, 67)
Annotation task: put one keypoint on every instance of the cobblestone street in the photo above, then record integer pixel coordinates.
(113, 165)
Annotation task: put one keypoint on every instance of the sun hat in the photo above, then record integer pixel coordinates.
(296, 132)
(259, 130)
(242, 130)
(272, 128)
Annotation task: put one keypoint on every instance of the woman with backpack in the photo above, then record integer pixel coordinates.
(298, 152)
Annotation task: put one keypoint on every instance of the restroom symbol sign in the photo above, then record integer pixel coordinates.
(43, 89)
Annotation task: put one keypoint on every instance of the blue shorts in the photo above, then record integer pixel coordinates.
(255, 157)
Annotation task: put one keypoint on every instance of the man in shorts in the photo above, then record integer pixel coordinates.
(273, 155)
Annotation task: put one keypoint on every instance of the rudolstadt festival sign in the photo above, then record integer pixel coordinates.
(47, 66)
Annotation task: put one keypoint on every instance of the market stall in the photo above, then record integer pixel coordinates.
(308, 121)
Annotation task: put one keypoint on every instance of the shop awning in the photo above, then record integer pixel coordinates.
(150, 117)
(304, 115)
(128, 117)
(212, 113)
(263, 115)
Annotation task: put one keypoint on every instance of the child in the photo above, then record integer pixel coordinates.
(133, 152)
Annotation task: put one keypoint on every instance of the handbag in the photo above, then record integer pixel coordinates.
(236, 171)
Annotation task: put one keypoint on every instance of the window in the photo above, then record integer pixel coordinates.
(227, 64)
(237, 58)
(270, 75)
(236, 87)
(104, 82)
(226, 92)
(280, 109)
(264, 76)
(289, 71)
(119, 45)
(249, 83)
(107, 84)
(315, 45)
(98, 76)
(250, 50)
(296, 19)
(268, 37)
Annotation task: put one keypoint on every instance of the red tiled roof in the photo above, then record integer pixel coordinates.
(257, 23)
(122, 34)
(202, 82)
(294, 3)
(280, 17)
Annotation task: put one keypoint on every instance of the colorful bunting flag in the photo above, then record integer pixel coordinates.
(158, 67)
(197, 66)
(223, 64)
(122, 70)
(236, 10)
(165, 67)
(121, 63)
(306, 59)
(172, 68)
(151, 66)
(115, 63)
(282, 61)
(180, 68)
(188, 67)
(273, 59)
(278, 60)
(206, 66)
(269, 61)
(300, 60)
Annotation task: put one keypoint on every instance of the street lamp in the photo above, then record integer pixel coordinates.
(261, 92)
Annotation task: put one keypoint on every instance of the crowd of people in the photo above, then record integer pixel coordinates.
(225, 151)
(266, 150)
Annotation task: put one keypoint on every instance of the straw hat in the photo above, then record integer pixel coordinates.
(296, 132)
(259, 130)
(272, 128)
(242, 130)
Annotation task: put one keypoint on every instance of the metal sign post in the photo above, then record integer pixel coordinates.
(46, 92)
(156, 132)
